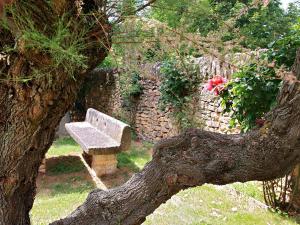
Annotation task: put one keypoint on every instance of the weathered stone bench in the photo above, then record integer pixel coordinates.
(101, 137)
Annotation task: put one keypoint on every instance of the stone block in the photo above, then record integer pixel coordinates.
(211, 108)
(104, 164)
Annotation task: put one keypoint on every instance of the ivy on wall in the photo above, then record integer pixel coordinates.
(131, 88)
(180, 83)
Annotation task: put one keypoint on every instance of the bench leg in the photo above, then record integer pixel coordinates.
(104, 164)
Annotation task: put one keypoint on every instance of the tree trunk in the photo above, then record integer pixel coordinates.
(30, 111)
(198, 157)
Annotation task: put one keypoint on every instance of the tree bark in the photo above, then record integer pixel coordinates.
(198, 157)
(31, 111)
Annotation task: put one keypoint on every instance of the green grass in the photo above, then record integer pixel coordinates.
(66, 166)
(252, 189)
(59, 199)
(208, 205)
(64, 146)
(137, 157)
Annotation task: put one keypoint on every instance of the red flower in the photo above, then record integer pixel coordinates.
(216, 84)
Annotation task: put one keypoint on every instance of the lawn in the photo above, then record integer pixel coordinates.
(64, 146)
(56, 199)
(67, 184)
(210, 205)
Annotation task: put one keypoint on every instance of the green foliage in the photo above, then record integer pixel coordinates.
(250, 94)
(131, 87)
(128, 7)
(108, 62)
(61, 43)
(283, 50)
(253, 90)
(264, 24)
(178, 88)
(64, 47)
(189, 13)
(256, 28)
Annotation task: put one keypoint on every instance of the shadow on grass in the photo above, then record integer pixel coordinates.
(64, 165)
(70, 186)
(64, 141)
(136, 158)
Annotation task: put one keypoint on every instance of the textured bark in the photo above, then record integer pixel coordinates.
(197, 157)
(30, 112)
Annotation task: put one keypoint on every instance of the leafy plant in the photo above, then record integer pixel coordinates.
(283, 50)
(64, 47)
(250, 94)
(54, 45)
(179, 86)
(131, 87)
(253, 90)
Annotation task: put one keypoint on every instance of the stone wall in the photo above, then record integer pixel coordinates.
(145, 116)
(101, 92)
(212, 116)
(150, 122)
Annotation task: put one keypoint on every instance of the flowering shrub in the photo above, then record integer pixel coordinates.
(249, 95)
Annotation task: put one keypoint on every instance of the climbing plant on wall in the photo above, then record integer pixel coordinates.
(180, 82)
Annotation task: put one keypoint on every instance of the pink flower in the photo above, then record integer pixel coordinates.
(216, 84)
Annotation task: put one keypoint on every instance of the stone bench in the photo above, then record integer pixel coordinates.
(101, 137)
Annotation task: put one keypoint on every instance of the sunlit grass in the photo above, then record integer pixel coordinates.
(202, 205)
(59, 199)
(208, 205)
(252, 189)
(64, 146)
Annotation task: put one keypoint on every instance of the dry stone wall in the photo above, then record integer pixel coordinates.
(145, 116)
(150, 122)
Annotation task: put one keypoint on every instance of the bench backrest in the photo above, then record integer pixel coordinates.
(110, 126)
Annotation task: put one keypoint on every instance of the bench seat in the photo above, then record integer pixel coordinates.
(91, 140)
(101, 137)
